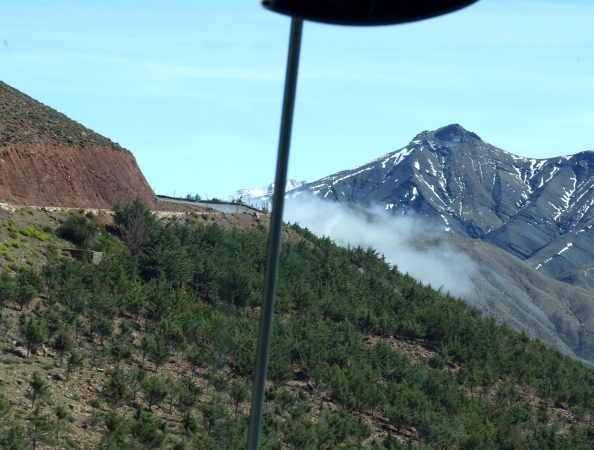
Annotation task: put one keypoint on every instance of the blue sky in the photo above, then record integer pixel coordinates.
(194, 89)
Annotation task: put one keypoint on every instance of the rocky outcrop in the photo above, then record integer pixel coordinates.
(53, 175)
(47, 159)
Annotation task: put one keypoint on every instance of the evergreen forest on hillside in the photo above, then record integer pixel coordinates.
(168, 321)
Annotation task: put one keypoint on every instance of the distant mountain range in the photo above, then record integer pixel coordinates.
(262, 194)
(538, 211)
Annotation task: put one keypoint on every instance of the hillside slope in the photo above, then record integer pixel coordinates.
(47, 159)
(510, 291)
(500, 284)
(157, 350)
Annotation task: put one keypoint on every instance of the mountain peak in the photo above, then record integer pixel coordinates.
(455, 133)
(449, 135)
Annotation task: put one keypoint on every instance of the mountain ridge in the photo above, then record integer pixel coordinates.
(477, 190)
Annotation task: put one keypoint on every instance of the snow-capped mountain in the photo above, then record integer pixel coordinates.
(262, 194)
(537, 209)
(528, 225)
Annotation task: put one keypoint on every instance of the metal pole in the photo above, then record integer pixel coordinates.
(274, 236)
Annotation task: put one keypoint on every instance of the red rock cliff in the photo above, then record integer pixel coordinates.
(47, 159)
(52, 175)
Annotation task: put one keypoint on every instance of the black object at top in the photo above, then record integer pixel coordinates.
(365, 12)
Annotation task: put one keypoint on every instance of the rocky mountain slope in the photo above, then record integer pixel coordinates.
(48, 159)
(537, 209)
(527, 223)
(509, 290)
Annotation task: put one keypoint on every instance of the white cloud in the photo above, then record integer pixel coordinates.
(400, 238)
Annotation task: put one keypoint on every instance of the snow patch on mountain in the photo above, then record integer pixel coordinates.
(262, 194)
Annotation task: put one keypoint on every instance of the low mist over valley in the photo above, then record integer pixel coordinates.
(404, 241)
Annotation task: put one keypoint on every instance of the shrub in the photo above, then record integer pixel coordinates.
(28, 286)
(116, 386)
(135, 221)
(125, 214)
(40, 236)
(78, 230)
(7, 289)
(34, 334)
(14, 438)
(156, 390)
(26, 231)
(32, 231)
(149, 431)
(48, 230)
(8, 256)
